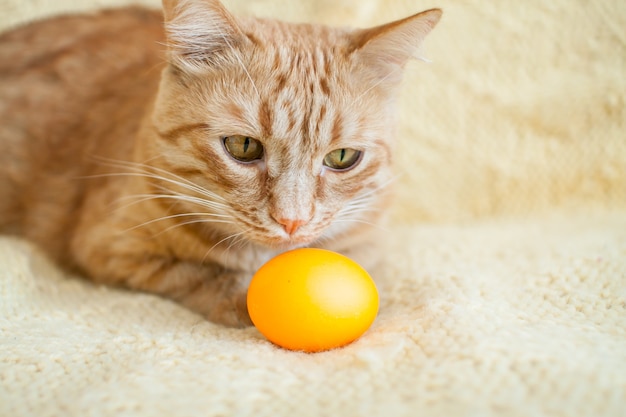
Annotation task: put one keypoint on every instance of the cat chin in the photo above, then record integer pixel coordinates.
(283, 245)
(287, 247)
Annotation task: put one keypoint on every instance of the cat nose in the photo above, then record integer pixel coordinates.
(291, 225)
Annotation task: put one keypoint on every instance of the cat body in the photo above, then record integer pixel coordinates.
(178, 158)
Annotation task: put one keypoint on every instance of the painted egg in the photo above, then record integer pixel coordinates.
(312, 300)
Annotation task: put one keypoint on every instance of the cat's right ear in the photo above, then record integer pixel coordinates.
(201, 34)
(385, 49)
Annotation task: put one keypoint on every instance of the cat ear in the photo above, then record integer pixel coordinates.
(386, 49)
(200, 33)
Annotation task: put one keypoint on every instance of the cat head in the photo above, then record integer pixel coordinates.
(288, 128)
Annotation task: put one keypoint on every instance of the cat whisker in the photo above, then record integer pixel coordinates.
(363, 202)
(356, 211)
(207, 199)
(192, 222)
(175, 195)
(142, 169)
(139, 198)
(378, 188)
(375, 225)
(190, 199)
(175, 216)
(354, 216)
(232, 236)
(152, 176)
(237, 240)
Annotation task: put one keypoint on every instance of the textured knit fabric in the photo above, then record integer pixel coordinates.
(503, 286)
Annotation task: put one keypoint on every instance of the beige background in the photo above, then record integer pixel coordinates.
(504, 287)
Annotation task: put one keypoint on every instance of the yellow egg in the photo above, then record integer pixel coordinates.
(312, 300)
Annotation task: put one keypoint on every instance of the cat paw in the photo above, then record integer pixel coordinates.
(231, 312)
(221, 299)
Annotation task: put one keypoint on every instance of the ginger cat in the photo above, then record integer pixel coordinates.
(177, 158)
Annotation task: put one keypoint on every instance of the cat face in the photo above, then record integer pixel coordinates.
(286, 128)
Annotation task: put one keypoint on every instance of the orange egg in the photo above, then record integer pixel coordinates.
(312, 300)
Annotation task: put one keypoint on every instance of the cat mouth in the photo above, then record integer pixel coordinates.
(278, 240)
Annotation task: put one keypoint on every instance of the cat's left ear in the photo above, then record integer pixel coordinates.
(386, 49)
(200, 33)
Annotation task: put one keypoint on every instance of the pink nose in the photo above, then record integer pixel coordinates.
(291, 225)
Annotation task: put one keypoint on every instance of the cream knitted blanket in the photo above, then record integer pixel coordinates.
(503, 291)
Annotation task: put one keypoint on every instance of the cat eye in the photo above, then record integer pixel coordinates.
(243, 148)
(342, 159)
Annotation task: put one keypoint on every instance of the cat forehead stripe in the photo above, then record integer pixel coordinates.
(297, 102)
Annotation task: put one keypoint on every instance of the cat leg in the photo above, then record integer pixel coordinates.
(209, 290)
(220, 297)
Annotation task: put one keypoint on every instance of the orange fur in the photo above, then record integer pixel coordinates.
(113, 156)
